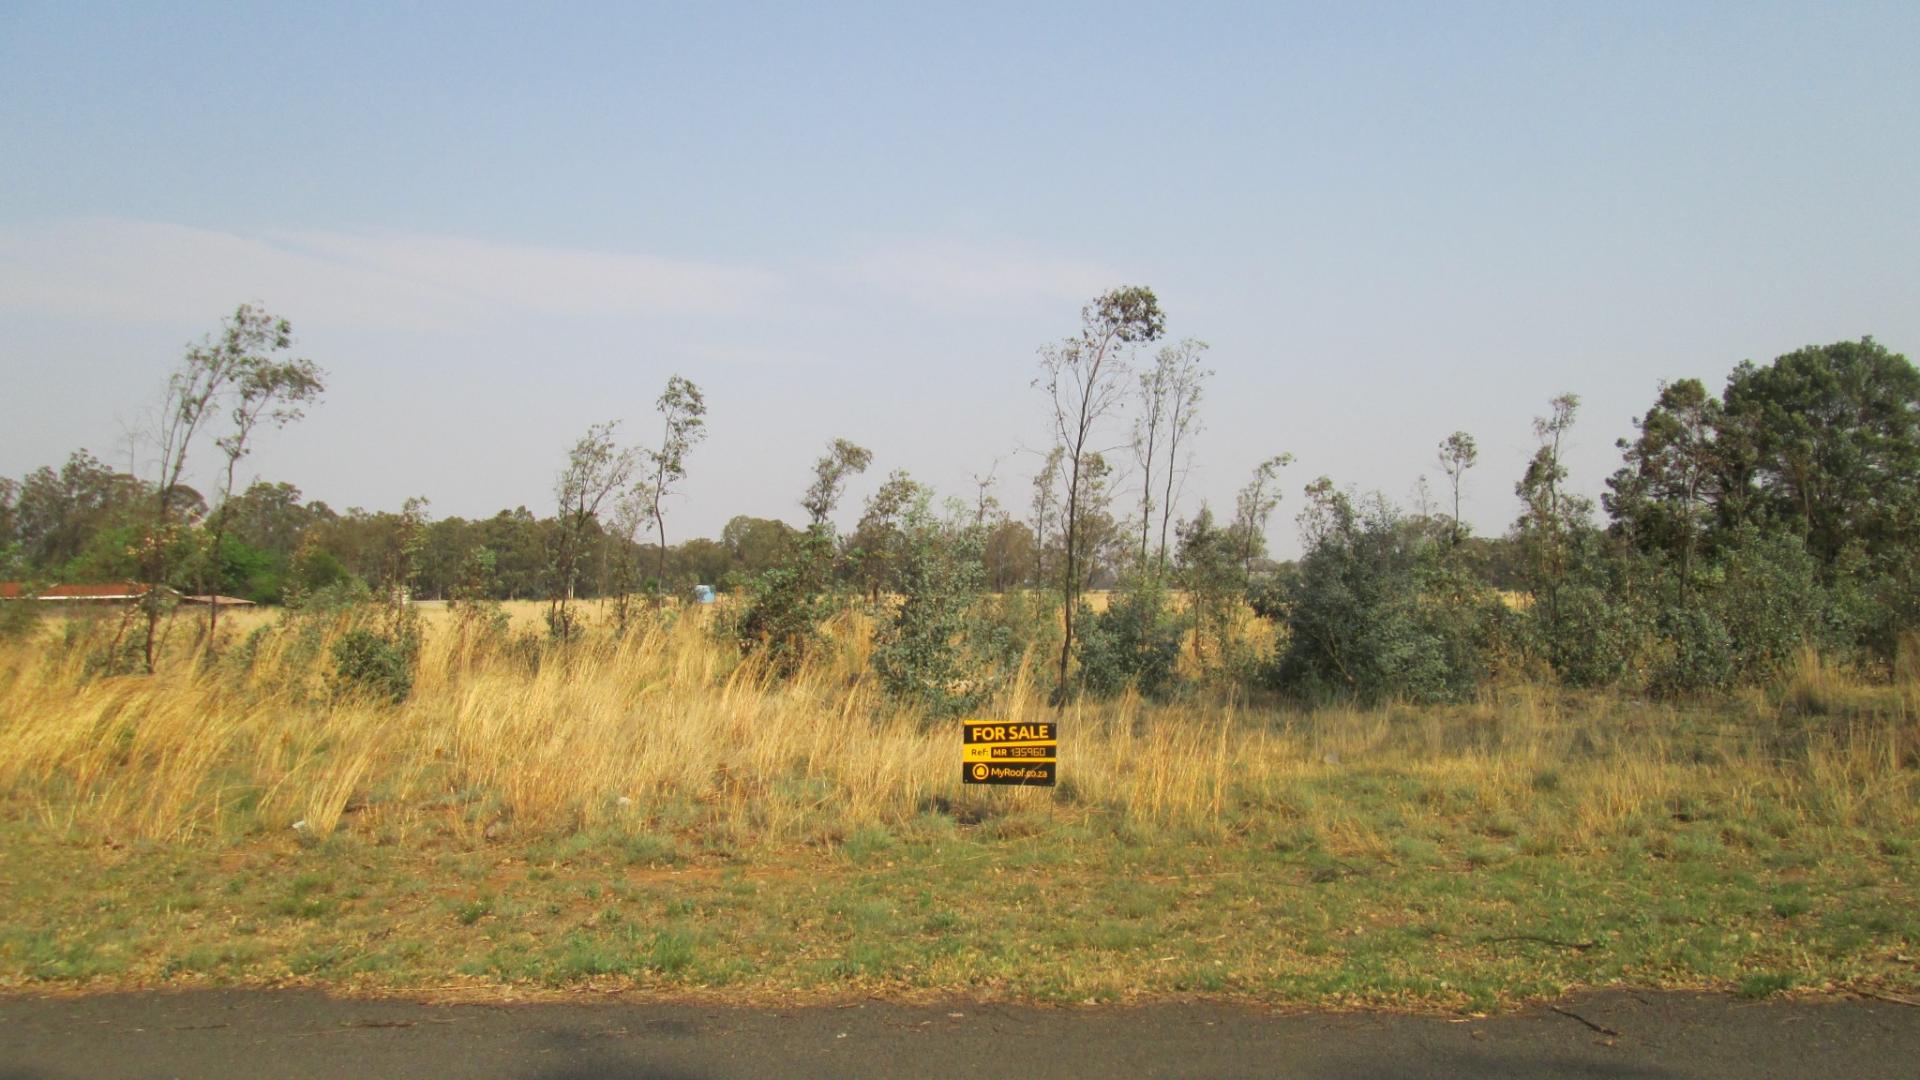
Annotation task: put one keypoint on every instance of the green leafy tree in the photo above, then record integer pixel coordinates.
(1831, 436)
(1663, 499)
(1373, 613)
(1211, 566)
(265, 390)
(879, 541)
(756, 545)
(56, 514)
(1553, 519)
(785, 605)
(1134, 643)
(932, 649)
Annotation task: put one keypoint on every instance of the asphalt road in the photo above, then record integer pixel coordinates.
(298, 1034)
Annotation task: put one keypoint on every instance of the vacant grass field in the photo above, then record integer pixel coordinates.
(652, 812)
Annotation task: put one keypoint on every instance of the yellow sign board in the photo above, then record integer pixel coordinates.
(1006, 752)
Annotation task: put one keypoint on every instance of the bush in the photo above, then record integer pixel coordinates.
(1594, 625)
(1696, 653)
(933, 651)
(1375, 610)
(19, 619)
(786, 604)
(1017, 624)
(365, 661)
(1135, 642)
(1770, 600)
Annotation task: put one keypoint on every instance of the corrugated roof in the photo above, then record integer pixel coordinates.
(118, 590)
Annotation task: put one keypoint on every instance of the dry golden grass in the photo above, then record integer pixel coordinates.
(652, 812)
(668, 730)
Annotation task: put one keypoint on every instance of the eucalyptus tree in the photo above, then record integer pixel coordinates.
(1046, 512)
(596, 468)
(1169, 415)
(879, 539)
(1085, 379)
(830, 472)
(265, 391)
(1457, 454)
(238, 369)
(683, 414)
(1253, 508)
(1552, 515)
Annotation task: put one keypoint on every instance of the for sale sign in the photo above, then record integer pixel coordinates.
(999, 752)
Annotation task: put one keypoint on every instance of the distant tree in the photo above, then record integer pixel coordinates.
(402, 542)
(1046, 513)
(985, 506)
(1084, 378)
(702, 560)
(1457, 454)
(12, 555)
(842, 459)
(56, 514)
(1254, 507)
(683, 423)
(755, 545)
(1173, 390)
(1008, 554)
(1102, 545)
(273, 517)
(520, 544)
(596, 468)
(879, 540)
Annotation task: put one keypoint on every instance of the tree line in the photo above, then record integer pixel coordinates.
(1782, 514)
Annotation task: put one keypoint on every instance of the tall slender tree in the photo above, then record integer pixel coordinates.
(683, 413)
(1254, 507)
(1084, 378)
(1457, 454)
(1551, 515)
(1185, 380)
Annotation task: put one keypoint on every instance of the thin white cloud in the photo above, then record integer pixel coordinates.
(115, 268)
(943, 274)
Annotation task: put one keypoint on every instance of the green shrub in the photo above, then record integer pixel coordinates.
(366, 661)
(1376, 610)
(933, 651)
(786, 604)
(1135, 642)
(19, 619)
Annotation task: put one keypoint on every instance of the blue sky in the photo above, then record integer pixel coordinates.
(495, 226)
